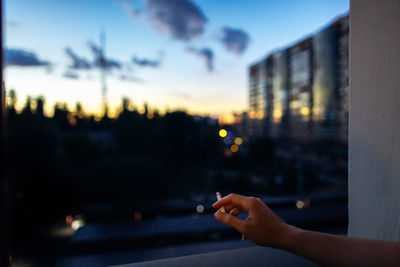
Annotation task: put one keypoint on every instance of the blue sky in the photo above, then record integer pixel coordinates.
(181, 78)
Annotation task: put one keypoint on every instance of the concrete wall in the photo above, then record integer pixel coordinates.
(254, 256)
(374, 137)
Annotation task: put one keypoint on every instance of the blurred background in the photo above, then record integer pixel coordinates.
(125, 117)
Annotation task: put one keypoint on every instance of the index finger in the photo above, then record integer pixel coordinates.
(236, 200)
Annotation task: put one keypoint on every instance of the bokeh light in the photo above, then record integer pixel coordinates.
(223, 133)
(69, 219)
(200, 208)
(305, 111)
(299, 204)
(234, 148)
(76, 224)
(238, 141)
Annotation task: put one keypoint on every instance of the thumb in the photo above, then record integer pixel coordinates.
(230, 220)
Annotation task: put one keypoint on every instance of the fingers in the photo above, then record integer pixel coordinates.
(237, 200)
(230, 220)
(229, 207)
(235, 212)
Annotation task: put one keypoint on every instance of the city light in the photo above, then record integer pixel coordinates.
(277, 114)
(238, 141)
(299, 204)
(200, 208)
(234, 148)
(69, 219)
(76, 224)
(305, 111)
(223, 133)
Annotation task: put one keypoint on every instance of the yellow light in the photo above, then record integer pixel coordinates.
(234, 148)
(238, 141)
(305, 111)
(76, 224)
(299, 204)
(277, 114)
(223, 133)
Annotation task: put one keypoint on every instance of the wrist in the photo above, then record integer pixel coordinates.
(287, 236)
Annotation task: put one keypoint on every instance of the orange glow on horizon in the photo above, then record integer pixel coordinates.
(113, 113)
(226, 119)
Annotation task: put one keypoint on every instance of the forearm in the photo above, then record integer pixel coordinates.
(333, 250)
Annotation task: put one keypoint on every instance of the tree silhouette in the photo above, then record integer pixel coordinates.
(40, 107)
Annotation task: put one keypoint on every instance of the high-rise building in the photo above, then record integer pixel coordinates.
(301, 92)
(257, 99)
(301, 89)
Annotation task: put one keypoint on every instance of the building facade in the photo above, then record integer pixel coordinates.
(301, 92)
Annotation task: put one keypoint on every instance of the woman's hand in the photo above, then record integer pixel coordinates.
(264, 228)
(261, 226)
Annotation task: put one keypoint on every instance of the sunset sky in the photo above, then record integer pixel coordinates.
(185, 54)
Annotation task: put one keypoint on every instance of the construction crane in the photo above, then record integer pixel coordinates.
(103, 72)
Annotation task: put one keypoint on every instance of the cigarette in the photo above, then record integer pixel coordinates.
(219, 198)
(223, 209)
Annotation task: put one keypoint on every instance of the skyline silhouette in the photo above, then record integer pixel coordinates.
(151, 59)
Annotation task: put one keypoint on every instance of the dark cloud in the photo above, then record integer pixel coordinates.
(130, 78)
(234, 40)
(77, 62)
(19, 57)
(71, 75)
(181, 19)
(101, 60)
(144, 62)
(206, 54)
(113, 63)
